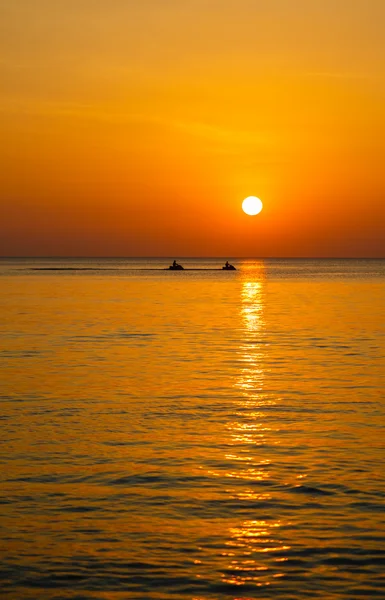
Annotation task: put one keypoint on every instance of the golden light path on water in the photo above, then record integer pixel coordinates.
(251, 540)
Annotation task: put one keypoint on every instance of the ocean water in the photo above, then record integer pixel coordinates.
(193, 435)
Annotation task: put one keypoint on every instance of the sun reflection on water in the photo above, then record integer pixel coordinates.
(249, 427)
(251, 348)
(254, 546)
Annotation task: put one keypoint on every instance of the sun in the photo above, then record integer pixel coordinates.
(252, 205)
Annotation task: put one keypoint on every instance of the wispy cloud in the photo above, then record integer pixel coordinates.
(338, 75)
(90, 112)
(220, 134)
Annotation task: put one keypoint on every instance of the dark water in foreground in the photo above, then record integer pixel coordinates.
(193, 435)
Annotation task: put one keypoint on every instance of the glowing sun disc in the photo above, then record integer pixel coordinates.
(252, 205)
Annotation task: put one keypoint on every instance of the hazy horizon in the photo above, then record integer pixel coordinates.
(171, 256)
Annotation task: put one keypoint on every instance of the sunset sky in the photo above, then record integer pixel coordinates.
(137, 127)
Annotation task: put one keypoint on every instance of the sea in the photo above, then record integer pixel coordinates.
(192, 435)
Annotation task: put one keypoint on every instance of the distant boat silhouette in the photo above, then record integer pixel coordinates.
(176, 267)
(228, 267)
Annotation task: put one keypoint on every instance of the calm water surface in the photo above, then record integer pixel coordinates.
(193, 435)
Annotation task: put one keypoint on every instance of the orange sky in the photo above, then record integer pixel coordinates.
(137, 128)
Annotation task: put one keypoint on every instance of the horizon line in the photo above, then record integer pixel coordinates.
(66, 257)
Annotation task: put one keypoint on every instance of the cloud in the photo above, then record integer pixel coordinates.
(338, 75)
